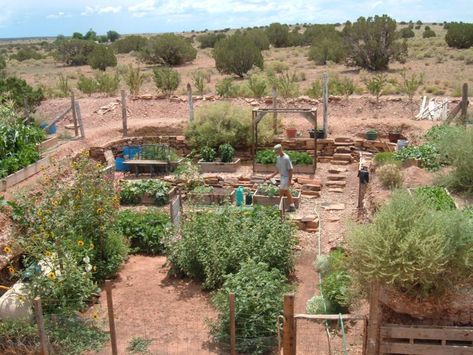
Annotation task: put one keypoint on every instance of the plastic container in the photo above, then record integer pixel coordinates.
(239, 196)
(119, 164)
(248, 199)
(401, 144)
(52, 129)
(371, 135)
(132, 151)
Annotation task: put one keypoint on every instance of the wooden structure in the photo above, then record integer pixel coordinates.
(76, 118)
(461, 108)
(258, 114)
(175, 210)
(154, 166)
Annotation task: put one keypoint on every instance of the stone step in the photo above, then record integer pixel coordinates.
(336, 183)
(336, 190)
(342, 156)
(336, 177)
(310, 193)
(311, 187)
(337, 170)
(342, 150)
(340, 162)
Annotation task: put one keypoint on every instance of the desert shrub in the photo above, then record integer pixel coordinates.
(102, 57)
(278, 35)
(315, 90)
(87, 85)
(376, 84)
(413, 248)
(133, 43)
(213, 243)
(166, 79)
(208, 154)
(198, 79)
(459, 35)
(18, 143)
(285, 84)
(237, 54)
(258, 37)
(221, 123)
(26, 53)
(341, 86)
(406, 33)
(208, 40)
(227, 88)
(436, 197)
(317, 32)
(226, 152)
(146, 230)
(3, 65)
(276, 67)
(134, 79)
(168, 49)
(257, 85)
(260, 290)
(372, 42)
(383, 158)
(113, 36)
(63, 86)
(410, 84)
(390, 176)
(428, 33)
(101, 82)
(327, 45)
(131, 192)
(18, 90)
(74, 51)
(457, 148)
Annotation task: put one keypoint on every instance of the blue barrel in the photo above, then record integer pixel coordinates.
(131, 151)
(52, 129)
(120, 166)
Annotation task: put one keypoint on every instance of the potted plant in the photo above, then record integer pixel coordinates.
(291, 132)
(225, 164)
(372, 135)
(320, 133)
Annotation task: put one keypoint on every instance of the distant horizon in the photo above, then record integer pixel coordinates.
(31, 19)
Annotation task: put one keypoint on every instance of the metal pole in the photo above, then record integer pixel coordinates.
(111, 318)
(231, 299)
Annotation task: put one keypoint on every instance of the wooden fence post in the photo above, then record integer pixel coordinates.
(325, 102)
(124, 114)
(464, 108)
(111, 318)
(231, 299)
(27, 110)
(79, 119)
(74, 114)
(43, 338)
(191, 103)
(275, 106)
(374, 321)
(289, 334)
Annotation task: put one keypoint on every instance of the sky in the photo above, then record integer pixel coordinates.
(35, 18)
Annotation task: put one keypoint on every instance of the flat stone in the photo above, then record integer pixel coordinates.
(336, 190)
(336, 183)
(336, 177)
(333, 206)
(340, 162)
(309, 218)
(337, 170)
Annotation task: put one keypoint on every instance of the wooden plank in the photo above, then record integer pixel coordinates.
(40, 323)
(79, 119)
(289, 334)
(124, 114)
(374, 320)
(74, 114)
(421, 349)
(425, 333)
(323, 317)
(231, 299)
(23, 174)
(58, 117)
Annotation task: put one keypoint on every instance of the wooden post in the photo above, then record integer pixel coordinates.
(231, 299)
(275, 106)
(111, 318)
(325, 102)
(27, 110)
(124, 115)
(191, 103)
(374, 321)
(289, 335)
(74, 114)
(79, 120)
(464, 107)
(38, 310)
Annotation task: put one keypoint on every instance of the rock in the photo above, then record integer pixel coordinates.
(336, 183)
(336, 177)
(333, 206)
(336, 190)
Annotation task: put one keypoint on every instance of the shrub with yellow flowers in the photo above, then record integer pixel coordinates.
(69, 236)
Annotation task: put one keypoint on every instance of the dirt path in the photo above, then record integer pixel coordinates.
(152, 305)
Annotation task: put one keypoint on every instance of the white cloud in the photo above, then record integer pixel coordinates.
(57, 15)
(143, 8)
(92, 10)
(376, 4)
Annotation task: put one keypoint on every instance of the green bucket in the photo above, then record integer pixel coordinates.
(371, 135)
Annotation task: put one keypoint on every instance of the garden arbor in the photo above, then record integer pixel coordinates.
(310, 114)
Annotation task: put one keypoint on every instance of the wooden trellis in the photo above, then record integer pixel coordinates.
(258, 114)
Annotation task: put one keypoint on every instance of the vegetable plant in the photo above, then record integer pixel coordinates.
(427, 154)
(437, 197)
(268, 157)
(227, 153)
(208, 154)
(132, 191)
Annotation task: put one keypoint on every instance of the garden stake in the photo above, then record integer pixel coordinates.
(111, 318)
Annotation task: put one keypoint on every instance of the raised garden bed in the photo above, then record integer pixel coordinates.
(260, 198)
(216, 195)
(265, 162)
(23, 174)
(218, 166)
(145, 192)
(49, 143)
(268, 168)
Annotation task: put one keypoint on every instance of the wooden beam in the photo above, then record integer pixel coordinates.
(275, 113)
(124, 114)
(325, 103)
(464, 104)
(324, 317)
(374, 321)
(58, 117)
(43, 338)
(79, 119)
(74, 114)
(231, 300)
(191, 103)
(289, 334)
(111, 317)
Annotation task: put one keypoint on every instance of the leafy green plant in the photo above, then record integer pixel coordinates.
(227, 153)
(427, 154)
(285, 83)
(102, 57)
(213, 243)
(139, 345)
(166, 79)
(145, 230)
(376, 84)
(132, 191)
(269, 190)
(410, 84)
(25, 54)
(413, 248)
(18, 91)
(297, 158)
(390, 176)
(198, 79)
(208, 154)
(315, 90)
(202, 189)
(227, 88)
(101, 82)
(437, 197)
(383, 158)
(260, 291)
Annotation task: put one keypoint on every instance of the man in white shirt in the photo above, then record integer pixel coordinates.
(285, 169)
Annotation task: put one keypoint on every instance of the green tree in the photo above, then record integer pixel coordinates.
(459, 35)
(237, 54)
(410, 84)
(166, 79)
(327, 46)
(372, 42)
(77, 35)
(376, 84)
(258, 37)
(278, 35)
(91, 35)
(130, 43)
(74, 51)
(208, 40)
(428, 33)
(169, 49)
(407, 33)
(102, 57)
(113, 36)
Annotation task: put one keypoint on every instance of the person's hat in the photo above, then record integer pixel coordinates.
(277, 147)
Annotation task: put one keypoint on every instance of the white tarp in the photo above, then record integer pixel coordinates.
(433, 109)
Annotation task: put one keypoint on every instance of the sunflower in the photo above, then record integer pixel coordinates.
(7, 250)
(95, 315)
(91, 246)
(99, 210)
(80, 243)
(48, 254)
(11, 269)
(52, 275)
